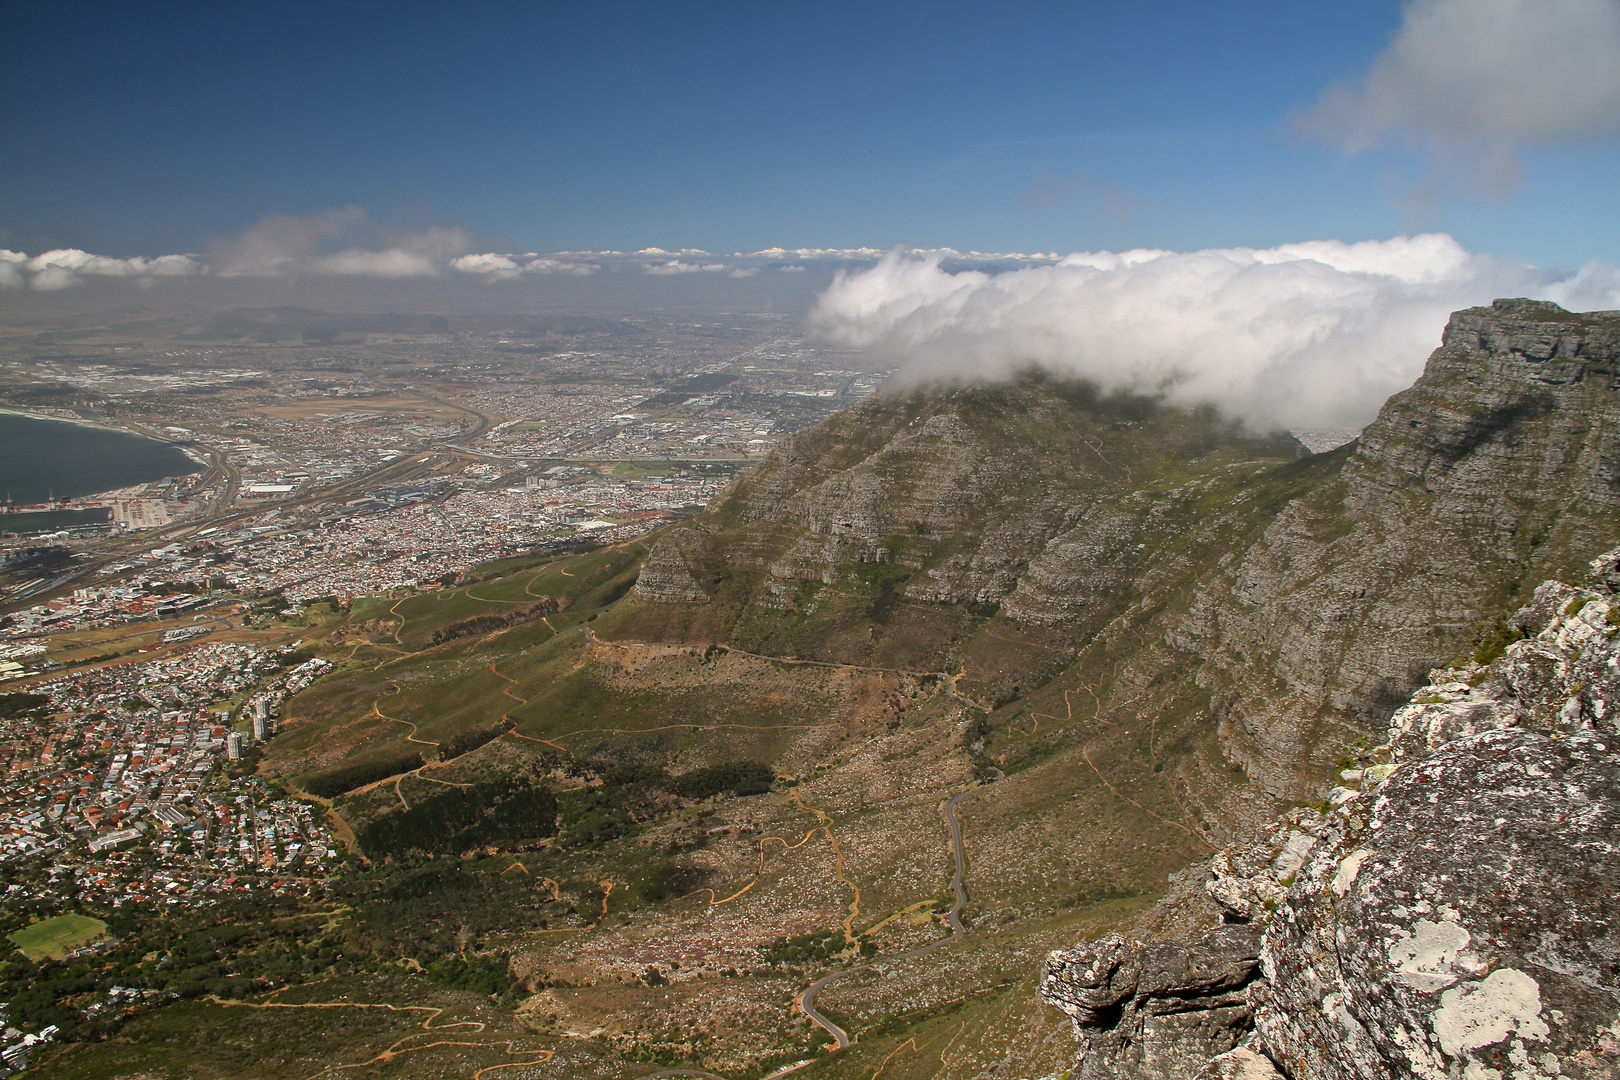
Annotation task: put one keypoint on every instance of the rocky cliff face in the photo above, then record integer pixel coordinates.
(1143, 597)
(1455, 914)
(970, 490)
(1309, 599)
(1157, 1010)
(1500, 466)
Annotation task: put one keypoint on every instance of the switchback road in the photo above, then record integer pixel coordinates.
(953, 919)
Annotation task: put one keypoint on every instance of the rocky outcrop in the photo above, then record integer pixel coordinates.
(1464, 923)
(1500, 466)
(1156, 1010)
(1456, 911)
(1308, 598)
(967, 489)
(679, 569)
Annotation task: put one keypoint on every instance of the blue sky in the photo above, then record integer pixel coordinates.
(163, 127)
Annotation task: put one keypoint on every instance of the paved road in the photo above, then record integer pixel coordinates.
(807, 1000)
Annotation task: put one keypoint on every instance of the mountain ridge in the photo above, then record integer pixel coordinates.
(1121, 637)
(1499, 467)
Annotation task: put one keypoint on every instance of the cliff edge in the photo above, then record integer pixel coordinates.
(1297, 600)
(1456, 913)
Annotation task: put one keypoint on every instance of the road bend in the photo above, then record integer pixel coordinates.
(807, 1000)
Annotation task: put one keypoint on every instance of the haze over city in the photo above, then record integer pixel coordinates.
(640, 154)
(929, 541)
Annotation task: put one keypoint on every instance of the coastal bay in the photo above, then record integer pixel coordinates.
(42, 458)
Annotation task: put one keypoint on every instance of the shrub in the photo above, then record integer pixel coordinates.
(500, 811)
(478, 625)
(330, 783)
(737, 777)
(19, 703)
(1495, 641)
(469, 741)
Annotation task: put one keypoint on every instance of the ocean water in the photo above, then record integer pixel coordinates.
(45, 521)
(40, 458)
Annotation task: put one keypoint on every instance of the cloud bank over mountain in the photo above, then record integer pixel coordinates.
(1468, 82)
(1304, 335)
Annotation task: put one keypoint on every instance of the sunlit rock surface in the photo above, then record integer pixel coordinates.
(1155, 1010)
(1464, 920)
(1308, 598)
(1458, 916)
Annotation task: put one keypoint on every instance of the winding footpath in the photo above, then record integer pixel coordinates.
(398, 1048)
(807, 1000)
(947, 679)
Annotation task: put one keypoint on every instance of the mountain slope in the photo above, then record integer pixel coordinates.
(1129, 634)
(1312, 599)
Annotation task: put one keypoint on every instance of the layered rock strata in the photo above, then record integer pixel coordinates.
(1456, 913)
(1155, 1010)
(1310, 599)
(1501, 466)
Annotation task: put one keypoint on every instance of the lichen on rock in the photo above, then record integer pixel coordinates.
(1154, 1010)
(1465, 918)
(1459, 916)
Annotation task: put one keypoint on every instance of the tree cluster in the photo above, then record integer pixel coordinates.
(484, 624)
(631, 793)
(19, 703)
(468, 741)
(330, 783)
(508, 810)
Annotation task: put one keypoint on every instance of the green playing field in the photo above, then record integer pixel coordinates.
(57, 937)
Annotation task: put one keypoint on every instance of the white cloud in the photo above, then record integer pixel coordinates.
(174, 266)
(1467, 81)
(345, 243)
(560, 266)
(676, 266)
(282, 243)
(495, 267)
(83, 262)
(391, 263)
(1315, 334)
(285, 244)
(62, 268)
(11, 275)
(436, 242)
(55, 278)
(506, 267)
(819, 253)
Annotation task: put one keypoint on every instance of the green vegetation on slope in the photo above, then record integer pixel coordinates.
(500, 812)
(54, 938)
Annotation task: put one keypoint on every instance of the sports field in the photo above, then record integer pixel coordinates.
(55, 938)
